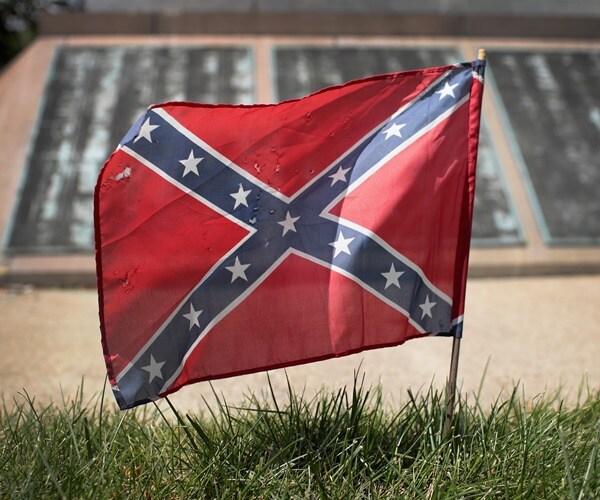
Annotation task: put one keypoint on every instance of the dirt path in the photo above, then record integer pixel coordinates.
(542, 332)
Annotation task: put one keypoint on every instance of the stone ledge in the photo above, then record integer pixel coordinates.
(320, 23)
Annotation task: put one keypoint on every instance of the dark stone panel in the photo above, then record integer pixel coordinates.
(302, 70)
(93, 96)
(495, 222)
(552, 101)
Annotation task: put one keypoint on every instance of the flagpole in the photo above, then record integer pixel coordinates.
(451, 386)
(452, 376)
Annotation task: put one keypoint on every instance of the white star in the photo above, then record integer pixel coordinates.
(154, 369)
(340, 175)
(341, 245)
(238, 270)
(394, 129)
(190, 164)
(447, 90)
(427, 306)
(193, 316)
(289, 223)
(240, 197)
(391, 277)
(145, 130)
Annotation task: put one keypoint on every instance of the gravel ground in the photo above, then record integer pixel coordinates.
(541, 332)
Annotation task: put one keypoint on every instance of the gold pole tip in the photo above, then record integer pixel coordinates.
(481, 54)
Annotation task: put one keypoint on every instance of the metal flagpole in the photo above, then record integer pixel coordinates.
(451, 384)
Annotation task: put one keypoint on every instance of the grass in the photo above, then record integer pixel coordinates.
(337, 445)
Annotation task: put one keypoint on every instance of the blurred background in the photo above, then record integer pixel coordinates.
(76, 74)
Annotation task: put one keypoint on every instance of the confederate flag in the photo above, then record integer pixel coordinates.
(233, 239)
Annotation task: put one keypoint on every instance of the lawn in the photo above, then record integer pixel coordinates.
(344, 444)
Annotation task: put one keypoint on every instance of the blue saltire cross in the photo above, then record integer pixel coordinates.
(279, 226)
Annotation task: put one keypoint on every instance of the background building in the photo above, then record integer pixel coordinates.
(67, 100)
